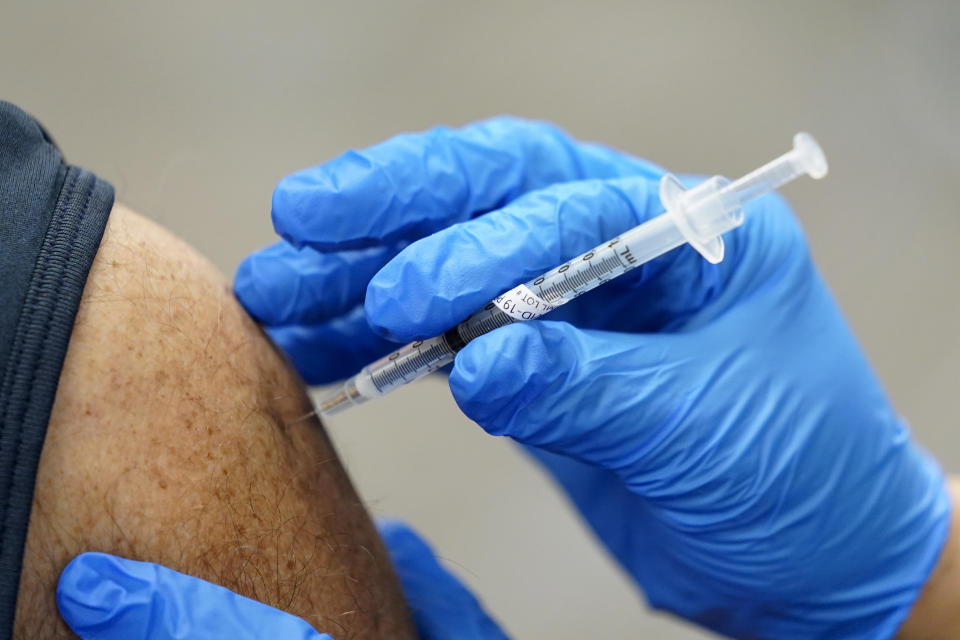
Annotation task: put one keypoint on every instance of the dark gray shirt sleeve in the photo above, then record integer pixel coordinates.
(52, 217)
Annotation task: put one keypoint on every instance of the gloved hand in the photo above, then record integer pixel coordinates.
(103, 597)
(717, 425)
(442, 608)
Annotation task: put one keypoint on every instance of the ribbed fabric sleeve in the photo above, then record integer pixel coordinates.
(52, 218)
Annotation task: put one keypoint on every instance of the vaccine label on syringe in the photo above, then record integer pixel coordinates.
(520, 303)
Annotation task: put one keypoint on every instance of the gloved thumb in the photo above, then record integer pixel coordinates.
(443, 608)
(104, 597)
(608, 399)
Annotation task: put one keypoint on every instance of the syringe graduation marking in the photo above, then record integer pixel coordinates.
(580, 279)
(495, 320)
(403, 367)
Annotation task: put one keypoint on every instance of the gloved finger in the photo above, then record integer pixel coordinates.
(103, 597)
(443, 608)
(617, 401)
(283, 285)
(417, 183)
(439, 280)
(332, 350)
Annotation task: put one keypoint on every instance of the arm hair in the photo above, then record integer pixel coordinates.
(181, 436)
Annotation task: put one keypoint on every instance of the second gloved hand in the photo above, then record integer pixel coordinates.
(105, 597)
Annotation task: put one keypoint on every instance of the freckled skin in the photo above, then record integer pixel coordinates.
(180, 436)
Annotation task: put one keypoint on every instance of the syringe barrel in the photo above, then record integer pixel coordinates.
(700, 216)
(415, 360)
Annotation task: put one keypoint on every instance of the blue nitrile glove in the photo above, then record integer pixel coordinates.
(103, 597)
(350, 216)
(717, 425)
(442, 608)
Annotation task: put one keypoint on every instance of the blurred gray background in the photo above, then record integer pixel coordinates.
(195, 109)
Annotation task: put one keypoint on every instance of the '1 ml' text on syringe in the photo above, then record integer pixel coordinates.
(698, 216)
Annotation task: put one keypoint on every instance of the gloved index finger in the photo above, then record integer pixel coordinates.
(111, 598)
(415, 184)
(438, 281)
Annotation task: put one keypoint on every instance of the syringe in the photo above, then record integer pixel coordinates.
(698, 216)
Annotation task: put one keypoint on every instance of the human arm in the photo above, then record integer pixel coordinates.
(181, 436)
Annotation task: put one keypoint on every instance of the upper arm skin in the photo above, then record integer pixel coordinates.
(180, 436)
